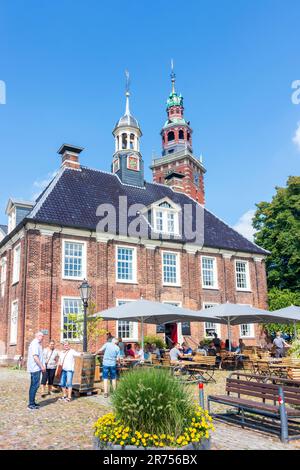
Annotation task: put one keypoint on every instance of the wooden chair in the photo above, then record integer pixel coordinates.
(294, 374)
(203, 368)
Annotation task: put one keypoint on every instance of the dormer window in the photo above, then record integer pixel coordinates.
(12, 220)
(16, 211)
(166, 219)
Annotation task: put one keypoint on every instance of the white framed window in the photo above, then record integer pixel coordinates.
(16, 264)
(3, 276)
(127, 330)
(12, 220)
(170, 268)
(166, 219)
(209, 272)
(126, 264)
(72, 311)
(14, 314)
(74, 260)
(247, 330)
(242, 277)
(209, 327)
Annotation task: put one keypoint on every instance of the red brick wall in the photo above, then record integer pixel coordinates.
(45, 287)
(188, 185)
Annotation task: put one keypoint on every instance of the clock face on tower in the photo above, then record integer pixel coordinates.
(133, 163)
(116, 165)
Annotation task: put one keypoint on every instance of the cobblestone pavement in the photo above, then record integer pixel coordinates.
(69, 425)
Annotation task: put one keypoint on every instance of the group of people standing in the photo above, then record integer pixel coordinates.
(44, 364)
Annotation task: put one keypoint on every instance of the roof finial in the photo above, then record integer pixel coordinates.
(173, 76)
(127, 94)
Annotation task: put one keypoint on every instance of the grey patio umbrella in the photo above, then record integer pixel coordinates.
(289, 314)
(145, 311)
(237, 314)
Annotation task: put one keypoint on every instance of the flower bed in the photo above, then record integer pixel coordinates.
(110, 431)
(152, 410)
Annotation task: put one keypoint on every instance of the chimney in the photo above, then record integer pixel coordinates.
(174, 180)
(70, 156)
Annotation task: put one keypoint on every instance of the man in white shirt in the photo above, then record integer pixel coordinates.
(35, 366)
(139, 353)
(175, 354)
(67, 361)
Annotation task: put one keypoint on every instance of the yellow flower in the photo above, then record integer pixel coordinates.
(133, 440)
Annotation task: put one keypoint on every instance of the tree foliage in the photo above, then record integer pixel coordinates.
(94, 325)
(278, 230)
(280, 299)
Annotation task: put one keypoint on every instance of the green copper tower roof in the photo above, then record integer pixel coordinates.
(174, 100)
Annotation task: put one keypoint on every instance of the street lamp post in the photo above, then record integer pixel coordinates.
(85, 293)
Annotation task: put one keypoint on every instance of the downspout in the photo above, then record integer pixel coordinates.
(51, 289)
(225, 278)
(107, 283)
(24, 291)
(257, 284)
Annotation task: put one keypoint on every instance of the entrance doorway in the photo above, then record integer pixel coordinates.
(171, 334)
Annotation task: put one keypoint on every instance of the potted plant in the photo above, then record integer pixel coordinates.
(151, 410)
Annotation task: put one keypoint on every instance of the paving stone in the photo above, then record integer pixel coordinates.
(58, 425)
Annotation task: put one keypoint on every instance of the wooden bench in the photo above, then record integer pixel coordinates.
(254, 395)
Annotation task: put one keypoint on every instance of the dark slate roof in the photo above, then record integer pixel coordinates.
(73, 200)
(4, 229)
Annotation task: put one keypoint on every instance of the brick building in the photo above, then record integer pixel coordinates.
(129, 238)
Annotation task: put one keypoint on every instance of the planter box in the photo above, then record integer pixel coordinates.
(205, 444)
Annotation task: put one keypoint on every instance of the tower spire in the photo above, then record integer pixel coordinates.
(173, 76)
(127, 93)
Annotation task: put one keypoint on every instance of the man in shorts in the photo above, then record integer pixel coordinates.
(111, 357)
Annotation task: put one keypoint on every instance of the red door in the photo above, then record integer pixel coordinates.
(174, 333)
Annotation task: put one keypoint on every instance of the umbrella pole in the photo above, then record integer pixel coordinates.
(142, 333)
(228, 332)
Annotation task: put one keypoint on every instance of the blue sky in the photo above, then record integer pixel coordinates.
(63, 64)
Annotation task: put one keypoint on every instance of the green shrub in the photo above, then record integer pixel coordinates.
(294, 350)
(153, 401)
(159, 342)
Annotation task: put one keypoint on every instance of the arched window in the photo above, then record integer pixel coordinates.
(124, 141)
(132, 141)
(118, 146)
(171, 136)
(188, 136)
(181, 134)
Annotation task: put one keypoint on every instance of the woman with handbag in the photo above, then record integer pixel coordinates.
(51, 356)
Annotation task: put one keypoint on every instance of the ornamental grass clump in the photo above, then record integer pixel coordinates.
(152, 401)
(152, 409)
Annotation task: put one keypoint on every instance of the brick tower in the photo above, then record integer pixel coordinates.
(178, 167)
